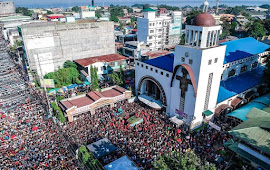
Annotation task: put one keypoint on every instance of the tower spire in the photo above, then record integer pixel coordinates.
(205, 6)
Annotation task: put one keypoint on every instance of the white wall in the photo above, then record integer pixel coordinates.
(162, 79)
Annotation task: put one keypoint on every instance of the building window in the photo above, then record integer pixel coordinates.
(161, 73)
(156, 71)
(104, 68)
(216, 59)
(190, 61)
(151, 31)
(231, 73)
(209, 62)
(112, 64)
(146, 67)
(153, 24)
(142, 65)
(159, 48)
(159, 36)
(138, 64)
(159, 42)
(150, 37)
(255, 64)
(150, 24)
(150, 44)
(151, 69)
(244, 68)
(167, 75)
(183, 59)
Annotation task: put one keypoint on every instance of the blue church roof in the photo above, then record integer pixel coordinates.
(242, 48)
(164, 62)
(240, 83)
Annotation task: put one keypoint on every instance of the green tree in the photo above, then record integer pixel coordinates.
(145, 6)
(98, 13)
(114, 18)
(94, 78)
(49, 12)
(69, 63)
(75, 9)
(24, 11)
(235, 10)
(183, 39)
(191, 16)
(185, 161)
(255, 29)
(115, 78)
(122, 76)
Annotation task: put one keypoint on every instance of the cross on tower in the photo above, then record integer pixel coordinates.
(183, 85)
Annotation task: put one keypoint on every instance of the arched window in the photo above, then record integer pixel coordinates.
(255, 64)
(244, 68)
(231, 73)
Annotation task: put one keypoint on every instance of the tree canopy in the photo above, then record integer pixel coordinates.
(94, 78)
(191, 16)
(75, 9)
(64, 76)
(185, 161)
(256, 29)
(172, 8)
(116, 11)
(24, 11)
(69, 63)
(228, 29)
(115, 78)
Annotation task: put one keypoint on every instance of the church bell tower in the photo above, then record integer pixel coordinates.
(198, 66)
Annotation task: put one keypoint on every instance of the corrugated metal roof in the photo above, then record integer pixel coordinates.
(242, 48)
(104, 58)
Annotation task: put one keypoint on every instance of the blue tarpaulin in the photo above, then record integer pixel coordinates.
(101, 148)
(122, 163)
(72, 86)
(243, 111)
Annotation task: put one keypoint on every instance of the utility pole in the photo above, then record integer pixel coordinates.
(217, 4)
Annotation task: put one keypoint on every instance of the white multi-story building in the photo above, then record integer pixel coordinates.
(159, 31)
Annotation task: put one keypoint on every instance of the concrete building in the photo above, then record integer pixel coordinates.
(104, 64)
(202, 76)
(134, 49)
(48, 45)
(7, 8)
(159, 31)
(87, 12)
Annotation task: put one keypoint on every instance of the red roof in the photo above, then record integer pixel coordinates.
(155, 54)
(93, 96)
(162, 9)
(79, 102)
(105, 58)
(135, 30)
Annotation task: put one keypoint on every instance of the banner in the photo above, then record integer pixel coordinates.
(49, 83)
(181, 114)
(213, 125)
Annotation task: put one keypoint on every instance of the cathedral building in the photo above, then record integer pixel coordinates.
(202, 77)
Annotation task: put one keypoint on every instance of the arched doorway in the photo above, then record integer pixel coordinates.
(222, 110)
(151, 87)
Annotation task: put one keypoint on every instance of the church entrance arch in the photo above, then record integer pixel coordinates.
(151, 87)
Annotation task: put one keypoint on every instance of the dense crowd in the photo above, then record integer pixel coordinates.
(147, 140)
(28, 140)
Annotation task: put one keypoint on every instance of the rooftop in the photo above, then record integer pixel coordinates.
(237, 49)
(154, 54)
(148, 10)
(255, 130)
(104, 58)
(164, 62)
(240, 83)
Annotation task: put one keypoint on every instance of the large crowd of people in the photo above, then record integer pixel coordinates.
(145, 141)
(28, 140)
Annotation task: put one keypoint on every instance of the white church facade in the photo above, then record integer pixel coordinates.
(201, 75)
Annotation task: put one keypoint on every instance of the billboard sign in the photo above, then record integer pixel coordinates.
(48, 83)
